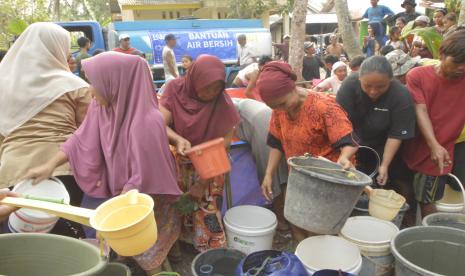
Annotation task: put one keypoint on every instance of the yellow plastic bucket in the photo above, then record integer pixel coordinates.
(385, 204)
(129, 229)
(126, 222)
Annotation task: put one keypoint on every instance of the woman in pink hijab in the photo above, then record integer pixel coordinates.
(197, 110)
(122, 145)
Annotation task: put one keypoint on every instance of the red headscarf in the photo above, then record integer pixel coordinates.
(276, 80)
(193, 119)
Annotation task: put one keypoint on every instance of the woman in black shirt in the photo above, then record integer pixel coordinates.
(381, 111)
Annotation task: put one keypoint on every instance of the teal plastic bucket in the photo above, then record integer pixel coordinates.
(48, 255)
(220, 261)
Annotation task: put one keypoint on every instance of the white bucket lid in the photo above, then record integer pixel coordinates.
(369, 230)
(328, 252)
(51, 188)
(250, 217)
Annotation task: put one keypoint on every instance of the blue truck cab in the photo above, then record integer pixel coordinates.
(194, 37)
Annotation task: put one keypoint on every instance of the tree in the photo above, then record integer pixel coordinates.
(249, 8)
(16, 15)
(296, 48)
(461, 20)
(351, 44)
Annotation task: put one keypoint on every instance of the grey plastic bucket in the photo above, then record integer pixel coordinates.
(221, 261)
(47, 254)
(361, 209)
(321, 200)
(453, 220)
(428, 251)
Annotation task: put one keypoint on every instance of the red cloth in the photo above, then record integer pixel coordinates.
(445, 101)
(276, 80)
(193, 119)
(128, 51)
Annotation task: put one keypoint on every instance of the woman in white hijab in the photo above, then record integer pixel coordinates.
(333, 83)
(41, 104)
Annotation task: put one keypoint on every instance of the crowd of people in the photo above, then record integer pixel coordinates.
(393, 101)
(104, 131)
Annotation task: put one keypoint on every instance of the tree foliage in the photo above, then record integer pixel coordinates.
(250, 8)
(16, 15)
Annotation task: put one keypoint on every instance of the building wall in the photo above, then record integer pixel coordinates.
(211, 13)
(162, 14)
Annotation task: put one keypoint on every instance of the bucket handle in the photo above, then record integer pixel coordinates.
(461, 188)
(378, 160)
(76, 214)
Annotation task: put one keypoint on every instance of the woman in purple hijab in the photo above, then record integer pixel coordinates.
(197, 110)
(122, 145)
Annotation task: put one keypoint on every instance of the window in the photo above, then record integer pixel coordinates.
(219, 15)
(178, 14)
(163, 15)
(171, 15)
(76, 32)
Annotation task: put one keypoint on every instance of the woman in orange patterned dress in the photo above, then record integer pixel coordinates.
(302, 122)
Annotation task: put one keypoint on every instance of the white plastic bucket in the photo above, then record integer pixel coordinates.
(329, 252)
(451, 202)
(373, 237)
(250, 228)
(27, 220)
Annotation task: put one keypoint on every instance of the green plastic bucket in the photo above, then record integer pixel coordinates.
(115, 269)
(47, 254)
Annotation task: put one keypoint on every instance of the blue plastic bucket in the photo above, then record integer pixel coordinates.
(272, 263)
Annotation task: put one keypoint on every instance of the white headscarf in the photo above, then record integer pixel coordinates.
(34, 73)
(336, 66)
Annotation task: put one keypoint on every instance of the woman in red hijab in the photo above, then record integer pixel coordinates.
(197, 110)
(302, 122)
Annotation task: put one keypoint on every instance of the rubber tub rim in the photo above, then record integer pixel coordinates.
(363, 182)
(414, 267)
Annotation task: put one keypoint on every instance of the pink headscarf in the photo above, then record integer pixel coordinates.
(276, 80)
(124, 145)
(193, 119)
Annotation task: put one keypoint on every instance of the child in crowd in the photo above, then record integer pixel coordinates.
(187, 62)
(395, 41)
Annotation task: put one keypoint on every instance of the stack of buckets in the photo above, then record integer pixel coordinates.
(373, 237)
(32, 221)
(329, 252)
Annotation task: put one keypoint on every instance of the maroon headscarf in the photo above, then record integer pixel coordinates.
(276, 80)
(193, 119)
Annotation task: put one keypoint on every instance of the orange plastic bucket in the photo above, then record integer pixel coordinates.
(210, 159)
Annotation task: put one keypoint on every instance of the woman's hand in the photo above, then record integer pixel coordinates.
(440, 157)
(267, 187)
(5, 210)
(40, 173)
(182, 145)
(345, 162)
(382, 175)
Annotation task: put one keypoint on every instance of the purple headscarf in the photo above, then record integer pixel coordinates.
(193, 119)
(124, 145)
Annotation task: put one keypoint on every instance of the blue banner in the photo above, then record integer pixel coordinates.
(219, 43)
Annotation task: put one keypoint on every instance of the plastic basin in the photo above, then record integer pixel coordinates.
(432, 250)
(48, 255)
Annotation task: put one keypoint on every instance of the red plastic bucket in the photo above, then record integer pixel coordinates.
(210, 158)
